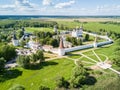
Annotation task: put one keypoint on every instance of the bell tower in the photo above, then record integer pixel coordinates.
(95, 42)
(61, 51)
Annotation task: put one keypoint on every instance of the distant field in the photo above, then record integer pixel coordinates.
(92, 23)
(88, 19)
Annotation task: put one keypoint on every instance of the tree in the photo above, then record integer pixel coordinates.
(7, 52)
(68, 39)
(79, 41)
(116, 60)
(34, 58)
(118, 42)
(20, 33)
(78, 76)
(43, 88)
(117, 48)
(74, 41)
(86, 37)
(61, 82)
(22, 43)
(2, 64)
(54, 42)
(40, 55)
(23, 61)
(17, 87)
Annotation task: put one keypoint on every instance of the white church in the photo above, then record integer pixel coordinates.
(15, 41)
(78, 32)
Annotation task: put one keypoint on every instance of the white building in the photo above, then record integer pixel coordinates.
(33, 45)
(78, 32)
(15, 41)
(55, 29)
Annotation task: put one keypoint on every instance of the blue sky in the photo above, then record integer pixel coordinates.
(59, 7)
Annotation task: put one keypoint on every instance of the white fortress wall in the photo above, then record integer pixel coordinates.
(78, 48)
(104, 43)
(87, 46)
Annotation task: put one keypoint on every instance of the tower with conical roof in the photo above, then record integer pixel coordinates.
(15, 41)
(61, 50)
(95, 42)
(55, 29)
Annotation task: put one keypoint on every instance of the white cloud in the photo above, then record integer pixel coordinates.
(20, 6)
(111, 9)
(64, 4)
(47, 2)
(54, 8)
(23, 4)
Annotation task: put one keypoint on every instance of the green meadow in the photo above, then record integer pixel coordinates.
(92, 26)
(32, 29)
(46, 75)
(50, 70)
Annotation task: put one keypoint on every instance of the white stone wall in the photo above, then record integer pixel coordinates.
(87, 46)
(78, 48)
(104, 43)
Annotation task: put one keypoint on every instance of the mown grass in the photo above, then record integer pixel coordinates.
(32, 29)
(46, 75)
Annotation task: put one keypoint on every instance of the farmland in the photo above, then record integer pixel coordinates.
(49, 70)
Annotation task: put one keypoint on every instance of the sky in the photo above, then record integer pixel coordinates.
(60, 7)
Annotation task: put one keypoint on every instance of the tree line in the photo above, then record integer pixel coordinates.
(24, 23)
(31, 61)
(46, 38)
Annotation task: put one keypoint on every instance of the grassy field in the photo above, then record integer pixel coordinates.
(101, 51)
(46, 75)
(32, 79)
(92, 25)
(32, 29)
(104, 78)
(88, 19)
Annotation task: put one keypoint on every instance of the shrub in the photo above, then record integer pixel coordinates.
(17, 87)
(61, 82)
(43, 88)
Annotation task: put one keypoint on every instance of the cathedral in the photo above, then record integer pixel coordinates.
(15, 41)
(78, 32)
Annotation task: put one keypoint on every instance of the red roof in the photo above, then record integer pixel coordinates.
(61, 46)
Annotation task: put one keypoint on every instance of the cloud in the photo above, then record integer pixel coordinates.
(18, 5)
(47, 2)
(112, 9)
(23, 5)
(64, 4)
(7, 7)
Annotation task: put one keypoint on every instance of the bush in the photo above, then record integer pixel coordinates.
(79, 76)
(86, 37)
(23, 61)
(117, 49)
(2, 64)
(17, 87)
(116, 60)
(43, 88)
(61, 82)
(118, 42)
(7, 52)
